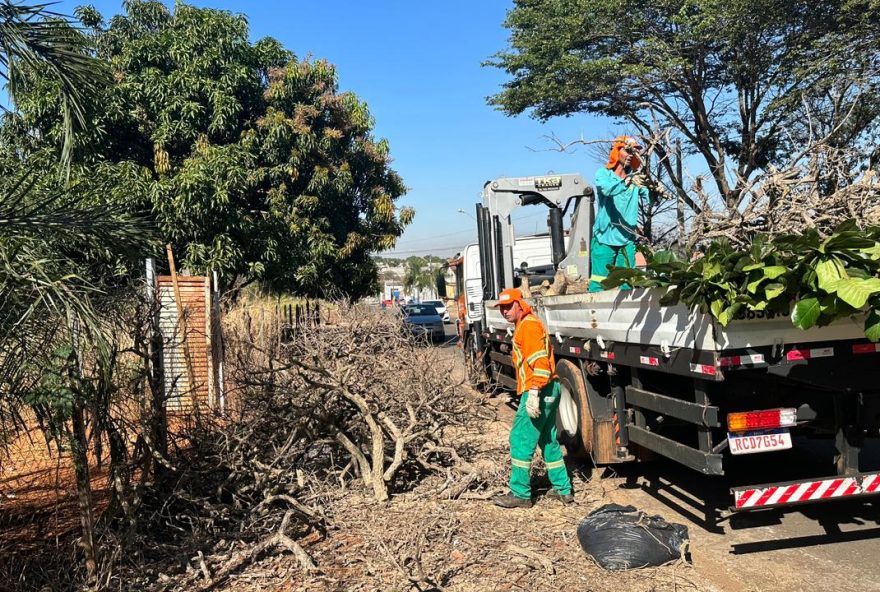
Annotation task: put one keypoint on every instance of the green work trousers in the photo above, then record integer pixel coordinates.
(601, 256)
(526, 434)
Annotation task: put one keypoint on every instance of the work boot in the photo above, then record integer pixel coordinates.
(508, 500)
(567, 499)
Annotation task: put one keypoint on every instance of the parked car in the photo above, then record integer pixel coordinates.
(423, 319)
(441, 309)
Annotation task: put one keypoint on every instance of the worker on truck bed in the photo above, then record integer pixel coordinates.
(619, 189)
(535, 420)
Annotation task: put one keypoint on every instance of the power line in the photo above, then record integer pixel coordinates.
(455, 247)
(435, 236)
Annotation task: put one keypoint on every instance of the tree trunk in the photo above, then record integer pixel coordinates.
(679, 208)
(79, 449)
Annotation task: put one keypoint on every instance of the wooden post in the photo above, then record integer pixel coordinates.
(212, 393)
(219, 354)
(181, 324)
(156, 375)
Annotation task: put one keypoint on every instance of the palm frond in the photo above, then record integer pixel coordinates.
(27, 209)
(45, 289)
(32, 38)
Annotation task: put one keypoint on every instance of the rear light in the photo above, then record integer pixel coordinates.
(761, 420)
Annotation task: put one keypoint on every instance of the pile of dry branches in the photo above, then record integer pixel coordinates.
(317, 411)
(812, 194)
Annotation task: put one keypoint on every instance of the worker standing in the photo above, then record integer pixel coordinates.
(619, 190)
(535, 420)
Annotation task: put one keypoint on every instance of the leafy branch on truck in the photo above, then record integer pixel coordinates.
(816, 280)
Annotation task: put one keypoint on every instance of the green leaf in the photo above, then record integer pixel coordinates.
(829, 305)
(672, 297)
(844, 241)
(711, 269)
(753, 266)
(774, 271)
(873, 252)
(856, 292)
(872, 326)
(716, 307)
(806, 313)
(773, 290)
(729, 314)
(829, 271)
(661, 257)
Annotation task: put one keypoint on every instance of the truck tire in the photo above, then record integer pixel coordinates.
(574, 422)
(471, 362)
(475, 367)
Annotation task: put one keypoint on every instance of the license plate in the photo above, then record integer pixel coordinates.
(759, 441)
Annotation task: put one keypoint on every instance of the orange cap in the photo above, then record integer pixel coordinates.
(508, 296)
(624, 142)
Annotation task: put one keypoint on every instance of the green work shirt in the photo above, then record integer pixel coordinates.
(617, 212)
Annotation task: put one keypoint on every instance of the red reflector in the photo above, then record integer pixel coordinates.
(703, 369)
(808, 354)
(866, 348)
(761, 420)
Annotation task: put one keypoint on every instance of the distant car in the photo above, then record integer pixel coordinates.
(441, 309)
(423, 319)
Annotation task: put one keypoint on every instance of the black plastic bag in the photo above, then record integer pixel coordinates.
(621, 537)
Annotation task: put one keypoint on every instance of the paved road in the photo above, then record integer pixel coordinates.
(833, 546)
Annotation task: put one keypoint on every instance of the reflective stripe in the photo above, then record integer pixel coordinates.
(598, 278)
(556, 464)
(524, 367)
(520, 463)
(537, 356)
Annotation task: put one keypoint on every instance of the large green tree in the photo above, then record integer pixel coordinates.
(743, 84)
(251, 161)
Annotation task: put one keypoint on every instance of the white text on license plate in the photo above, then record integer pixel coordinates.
(759, 441)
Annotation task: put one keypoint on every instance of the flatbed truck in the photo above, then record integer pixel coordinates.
(641, 379)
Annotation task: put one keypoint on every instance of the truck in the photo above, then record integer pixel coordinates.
(641, 379)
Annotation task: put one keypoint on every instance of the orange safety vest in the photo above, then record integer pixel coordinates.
(532, 354)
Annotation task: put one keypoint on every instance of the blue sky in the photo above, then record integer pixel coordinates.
(417, 65)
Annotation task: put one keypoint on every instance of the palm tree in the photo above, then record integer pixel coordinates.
(45, 301)
(40, 228)
(420, 274)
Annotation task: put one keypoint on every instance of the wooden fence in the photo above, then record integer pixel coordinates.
(295, 317)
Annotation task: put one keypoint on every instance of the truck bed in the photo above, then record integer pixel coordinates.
(636, 317)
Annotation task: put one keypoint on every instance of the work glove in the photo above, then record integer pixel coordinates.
(533, 403)
(638, 179)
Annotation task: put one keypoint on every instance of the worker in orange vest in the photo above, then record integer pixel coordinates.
(535, 420)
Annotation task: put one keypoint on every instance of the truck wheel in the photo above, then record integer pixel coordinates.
(476, 372)
(574, 422)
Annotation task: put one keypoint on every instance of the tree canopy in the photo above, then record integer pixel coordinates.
(250, 160)
(745, 84)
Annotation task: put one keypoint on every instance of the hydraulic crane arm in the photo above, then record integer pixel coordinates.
(496, 233)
